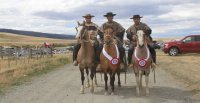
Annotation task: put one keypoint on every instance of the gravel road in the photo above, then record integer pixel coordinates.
(63, 86)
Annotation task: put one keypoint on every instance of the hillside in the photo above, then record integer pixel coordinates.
(37, 34)
(20, 40)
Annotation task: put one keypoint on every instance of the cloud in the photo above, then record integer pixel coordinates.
(60, 16)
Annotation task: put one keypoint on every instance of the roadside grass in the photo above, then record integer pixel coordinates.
(184, 68)
(25, 72)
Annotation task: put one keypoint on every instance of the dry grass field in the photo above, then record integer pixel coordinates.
(10, 75)
(11, 69)
(184, 68)
(166, 39)
(9, 39)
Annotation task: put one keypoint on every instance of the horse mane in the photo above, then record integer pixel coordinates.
(108, 27)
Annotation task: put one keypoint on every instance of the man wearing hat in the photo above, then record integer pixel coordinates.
(89, 25)
(132, 30)
(118, 32)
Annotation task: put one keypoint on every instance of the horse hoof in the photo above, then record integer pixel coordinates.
(140, 88)
(91, 90)
(96, 85)
(147, 94)
(119, 85)
(112, 93)
(106, 93)
(81, 92)
(138, 95)
(82, 89)
(87, 86)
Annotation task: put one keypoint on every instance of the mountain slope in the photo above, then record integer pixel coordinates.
(38, 34)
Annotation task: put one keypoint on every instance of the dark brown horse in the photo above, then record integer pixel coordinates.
(109, 59)
(142, 61)
(86, 55)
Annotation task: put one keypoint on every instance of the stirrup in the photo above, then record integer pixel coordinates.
(98, 69)
(154, 65)
(122, 66)
(75, 63)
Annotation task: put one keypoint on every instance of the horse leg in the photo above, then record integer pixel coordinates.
(119, 81)
(106, 85)
(92, 73)
(137, 83)
(112, 80)
(147, 81)
(82, 79)
(141, 80)
(95, 76)
(88, 82)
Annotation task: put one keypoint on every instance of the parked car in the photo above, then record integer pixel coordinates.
(188, 44)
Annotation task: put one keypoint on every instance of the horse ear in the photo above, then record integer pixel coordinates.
(83, 23)
(78, 23)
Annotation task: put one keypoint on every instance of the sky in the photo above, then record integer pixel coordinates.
(165, 17)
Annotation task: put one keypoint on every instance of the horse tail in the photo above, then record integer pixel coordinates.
(154, 70)
(154, 76)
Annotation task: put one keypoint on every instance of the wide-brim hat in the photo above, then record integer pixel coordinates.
(109, 14)
(88, 15)
(136, 16)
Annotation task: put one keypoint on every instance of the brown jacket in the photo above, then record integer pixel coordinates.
(117, 28)
(132, 30)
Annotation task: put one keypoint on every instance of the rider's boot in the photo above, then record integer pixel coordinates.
(122, 54)
(153, 55)
(75, 52)
(100, 47)
(130, 53)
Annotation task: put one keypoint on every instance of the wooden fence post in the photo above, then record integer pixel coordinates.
(16, 55)
(9, 55)
(1, 52)
(51, 51)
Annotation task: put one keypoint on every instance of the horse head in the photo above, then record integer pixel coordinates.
(141, 38)
(84, 34)
(108, 35)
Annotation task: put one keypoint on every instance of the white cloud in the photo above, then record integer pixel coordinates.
(183, 11)
(162, 16)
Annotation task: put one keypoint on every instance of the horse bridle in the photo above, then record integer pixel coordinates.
(145, 40)
(82, 40)
(110, 41)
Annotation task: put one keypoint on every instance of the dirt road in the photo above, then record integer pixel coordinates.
(63, 86)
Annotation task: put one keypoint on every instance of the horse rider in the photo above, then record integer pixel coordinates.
(89, 25)
(132, 30)
(118, 33)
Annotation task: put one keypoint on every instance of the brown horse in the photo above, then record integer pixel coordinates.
(109, 59)
(142, 61)
(86, 55)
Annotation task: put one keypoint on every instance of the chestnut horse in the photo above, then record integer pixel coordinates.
(86, 55)
(142, 61)
(109, 59)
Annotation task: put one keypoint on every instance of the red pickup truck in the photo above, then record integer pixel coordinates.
(188, 44)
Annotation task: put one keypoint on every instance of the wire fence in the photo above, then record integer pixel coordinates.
(11, 57)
